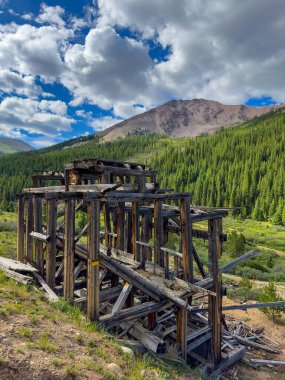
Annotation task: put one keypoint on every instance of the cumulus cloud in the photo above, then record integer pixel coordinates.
(223, 50)
(33, 51)
(51, 15)
(37, 117)
(107, 69)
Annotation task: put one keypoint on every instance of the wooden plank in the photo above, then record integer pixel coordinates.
(268, 362)
(135, 231)
(16, 276)
(215, 303)
(245, 306)
(147, 339)
(51, 205)
(239, 260)
(29, 229)
(230, 359)
(120, 302)
(158, 232)
(69, 227)
(121, 226)
(38, 229)
(40, 236)
(93, 268)
(186, 240)
(181, 332)
(20, 228)
(51, 296)
(15, 265)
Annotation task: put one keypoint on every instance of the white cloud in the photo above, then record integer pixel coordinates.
(38, 117)
(223, 50)
(102, 123)
(51, 15)
(12, 82)
(33, 51)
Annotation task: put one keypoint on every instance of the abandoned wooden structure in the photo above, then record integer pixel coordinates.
(132, 263)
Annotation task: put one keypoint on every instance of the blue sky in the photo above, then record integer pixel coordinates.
(69, 68)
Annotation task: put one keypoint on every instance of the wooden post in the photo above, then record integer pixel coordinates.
(29, 228)
(69, 222)
(158, 232)
(181, 333)
(215, 303)
(121, 226)
(145, 237)
(135, 230)
(186, 239)
(129, 233)
(38, 227)
(107, 223)
(20, 228)
(51, 205)
(93, 284)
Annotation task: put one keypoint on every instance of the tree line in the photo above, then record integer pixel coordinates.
(239, 167)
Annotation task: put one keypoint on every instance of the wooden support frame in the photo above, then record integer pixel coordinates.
(93, 269)
(38, 228)
(121, 226)
(186, 239)
(69, 229)
(158, 232)
(51, 208)
(29, 254)
(20, 228)
(215, 303)
(135, 231)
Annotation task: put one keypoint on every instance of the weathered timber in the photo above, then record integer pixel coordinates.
(49, 293)
(239, 260)
(51, 205)
(93, 259)
(245, 306)
(267, 362)
(215, 303)
(29, 227)
(158, 232)
(120, 302)
(16, 265)
(40, 236)
(230, 359)
(181, 332)
(121, 226)
(135, 231)
(69, 227)
(23, 279)
(20, 228)
(38, 228)
(186, 239)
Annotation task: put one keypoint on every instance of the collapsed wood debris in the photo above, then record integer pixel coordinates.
(128, 276)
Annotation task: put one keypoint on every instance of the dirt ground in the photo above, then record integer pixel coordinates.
(256, 319)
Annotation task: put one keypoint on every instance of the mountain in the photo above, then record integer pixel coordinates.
(242, 166)
(185, 118)
(8, 146)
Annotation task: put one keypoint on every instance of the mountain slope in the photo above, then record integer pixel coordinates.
(8, 146)
(241, 166)
(185, 118)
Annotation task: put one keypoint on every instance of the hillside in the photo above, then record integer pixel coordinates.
(8, 146)
(185, 118)
(242, 166)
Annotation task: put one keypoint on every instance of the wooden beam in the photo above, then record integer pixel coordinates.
(120, 302)
(215, 303)
(239, 260)
(186, 239)
(181, 332)
(51, 205)
(121, 226)
(158, 232)
(29, 229)
(135, 231)
(20, 228)
(69, 227)
(93, 268)
(38, 229)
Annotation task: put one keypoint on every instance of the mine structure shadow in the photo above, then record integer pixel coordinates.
(126, 277)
